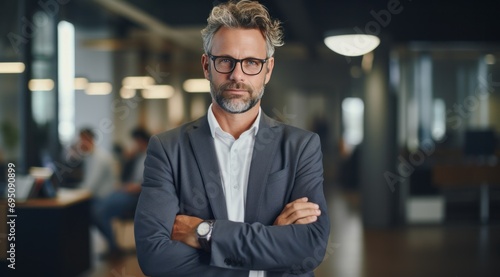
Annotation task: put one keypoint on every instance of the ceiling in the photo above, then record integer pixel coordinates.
(305, 22)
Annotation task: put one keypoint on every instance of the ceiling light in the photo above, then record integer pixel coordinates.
(127, 93)
(158, 92)
(351, 45)
(41, 84)
(12, 67)
(196, 85)
(81, 83)
(138, 82)
(99, 88)
(490, 59)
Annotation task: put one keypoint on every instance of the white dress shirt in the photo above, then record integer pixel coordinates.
(234, 157)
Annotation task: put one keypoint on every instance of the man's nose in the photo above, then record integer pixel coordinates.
(237, 73)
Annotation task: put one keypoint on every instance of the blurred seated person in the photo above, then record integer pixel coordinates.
(122, 202)
(98, 166)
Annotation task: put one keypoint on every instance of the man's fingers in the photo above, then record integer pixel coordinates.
(292, 208)
(299, 217)
(298, 204)
(306, 220)
(298, 212)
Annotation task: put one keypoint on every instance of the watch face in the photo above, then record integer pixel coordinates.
(203, 229)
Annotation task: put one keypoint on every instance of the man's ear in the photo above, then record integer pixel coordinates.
(205, 65)
(269, 65)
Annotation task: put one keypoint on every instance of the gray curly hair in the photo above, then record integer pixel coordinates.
(243, 14)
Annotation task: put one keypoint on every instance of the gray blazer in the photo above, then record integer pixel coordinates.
(181, 176)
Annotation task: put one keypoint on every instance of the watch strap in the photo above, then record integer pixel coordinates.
(205, 241)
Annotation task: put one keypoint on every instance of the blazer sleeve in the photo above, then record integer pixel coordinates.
(158, 205)
(296, 248)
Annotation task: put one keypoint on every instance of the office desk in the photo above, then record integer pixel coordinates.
(453, 176)
(52, 236)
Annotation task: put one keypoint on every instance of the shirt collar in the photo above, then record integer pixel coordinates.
(214, 124)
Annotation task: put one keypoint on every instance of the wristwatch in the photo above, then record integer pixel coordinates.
(204, 233)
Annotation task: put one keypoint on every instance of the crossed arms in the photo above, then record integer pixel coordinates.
(299, 211)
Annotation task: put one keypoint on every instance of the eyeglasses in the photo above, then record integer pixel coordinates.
(249, 66)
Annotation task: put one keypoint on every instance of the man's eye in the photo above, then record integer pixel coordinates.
(225, 60)
(252, 62)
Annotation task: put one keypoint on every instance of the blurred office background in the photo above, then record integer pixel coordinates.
(410, 130)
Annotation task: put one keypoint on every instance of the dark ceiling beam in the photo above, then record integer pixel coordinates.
(150, 23)
(297, 18)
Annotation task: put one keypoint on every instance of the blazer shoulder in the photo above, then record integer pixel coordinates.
(178, 134)
(298, 130)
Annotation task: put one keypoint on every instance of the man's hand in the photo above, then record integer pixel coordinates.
(184, 230)
(298, 212)
(132, 188)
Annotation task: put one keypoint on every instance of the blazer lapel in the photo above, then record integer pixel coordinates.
(264, 150)
(206, 158)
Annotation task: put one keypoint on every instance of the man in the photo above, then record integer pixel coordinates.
(234, 193)
(122, 202)
(98, 166)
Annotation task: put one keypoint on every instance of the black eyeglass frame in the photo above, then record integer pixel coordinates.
(263, 61)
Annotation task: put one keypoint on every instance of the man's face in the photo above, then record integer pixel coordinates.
(141, 144)
(86, 144)
(237, 92)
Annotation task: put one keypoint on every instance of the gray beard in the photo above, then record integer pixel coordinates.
(231, 106)
(236, 107)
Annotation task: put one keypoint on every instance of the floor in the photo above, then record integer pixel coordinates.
(413, 251)
(458, 250)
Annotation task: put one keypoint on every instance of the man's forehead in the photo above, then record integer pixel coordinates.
(248, 40)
